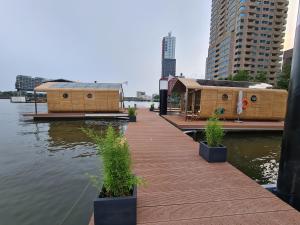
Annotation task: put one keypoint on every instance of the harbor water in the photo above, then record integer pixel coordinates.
(256, 154)
(45, 180)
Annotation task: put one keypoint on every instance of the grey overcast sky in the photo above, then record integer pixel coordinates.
(107, 41)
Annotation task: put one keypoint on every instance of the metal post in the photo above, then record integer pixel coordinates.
(288, 184)
(186, 100)
(122, 97)
(35, 104)
(193, 101)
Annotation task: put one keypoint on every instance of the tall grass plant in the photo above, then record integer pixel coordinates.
(118, 178)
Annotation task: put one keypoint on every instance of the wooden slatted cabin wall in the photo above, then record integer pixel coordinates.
(270, 103)
(83, 101)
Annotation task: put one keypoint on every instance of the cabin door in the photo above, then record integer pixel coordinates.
(194, 101)
(197, 101)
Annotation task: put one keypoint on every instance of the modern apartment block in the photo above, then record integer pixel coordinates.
(287, 57)
(168, 61)
(28, 83)
(246, 35)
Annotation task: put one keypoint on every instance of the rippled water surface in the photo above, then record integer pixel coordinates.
(42, 179)
(44, 182)
(256, 154)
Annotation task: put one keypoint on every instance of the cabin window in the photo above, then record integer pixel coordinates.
(65, 95)
(225, 97)
(89, 95)
(253, 98)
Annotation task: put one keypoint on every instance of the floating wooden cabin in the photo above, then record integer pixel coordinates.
(82, 97)
(203, 101)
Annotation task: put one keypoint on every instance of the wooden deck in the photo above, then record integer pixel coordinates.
(183, 189)
(228, 125)
(75, 116)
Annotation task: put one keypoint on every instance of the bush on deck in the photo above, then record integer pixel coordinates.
(214, 132)
(118, 178)
(131, 111)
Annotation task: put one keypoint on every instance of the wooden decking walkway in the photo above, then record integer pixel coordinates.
(228, 125)
(183, 189)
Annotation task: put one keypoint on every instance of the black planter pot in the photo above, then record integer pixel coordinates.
(151, 109)
(132, 118)
(212, 154)
(116, 211)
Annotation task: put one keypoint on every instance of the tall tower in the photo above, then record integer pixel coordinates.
(168, 61)
(246, 35)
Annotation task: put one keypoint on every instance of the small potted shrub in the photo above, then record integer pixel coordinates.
(211, 149)
(116, 203)
(132, 114)
(152, 107)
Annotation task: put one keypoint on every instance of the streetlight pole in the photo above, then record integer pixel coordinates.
(163, 96)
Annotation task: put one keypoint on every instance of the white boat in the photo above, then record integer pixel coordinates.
(18, 99)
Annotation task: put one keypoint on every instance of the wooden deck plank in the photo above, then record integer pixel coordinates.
(181, 123)
(265, 218)
(208, 209)
(202, 195)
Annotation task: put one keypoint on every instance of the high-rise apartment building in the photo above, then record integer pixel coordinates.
(287, 57)
(168, 61)
(28, 83)
(246, 35)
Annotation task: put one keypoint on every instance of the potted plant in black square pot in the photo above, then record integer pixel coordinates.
(132, 114)
(152, 107)
(116, 203)
(211, 149)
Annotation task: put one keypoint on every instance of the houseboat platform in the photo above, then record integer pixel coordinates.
(75, 116)
(183, 189)
(228, 125)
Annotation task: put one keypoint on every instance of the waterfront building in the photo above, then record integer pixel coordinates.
(140, 94)
(168, 56)
(82, 97)
(287, 57)
(28, 83)
(246, 35)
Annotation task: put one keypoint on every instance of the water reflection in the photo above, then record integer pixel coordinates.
(66, 135)
(255, 154)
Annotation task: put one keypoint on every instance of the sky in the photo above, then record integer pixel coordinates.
(105, 41)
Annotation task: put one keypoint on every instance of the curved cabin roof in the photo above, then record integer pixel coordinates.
(72, 86)
(189, 83)
(181, 84)
(243, 89)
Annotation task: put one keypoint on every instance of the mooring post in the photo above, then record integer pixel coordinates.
(163, 96)
(288, 184)
(35, 105)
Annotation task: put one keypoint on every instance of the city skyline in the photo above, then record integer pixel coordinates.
(88, 42)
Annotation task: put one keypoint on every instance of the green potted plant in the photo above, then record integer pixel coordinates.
(132, 114)
(152, 107)
(116, 203)
(211, 149)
